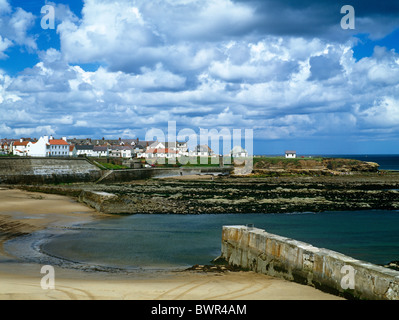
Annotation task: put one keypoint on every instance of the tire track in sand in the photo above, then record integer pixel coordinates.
(192, 286)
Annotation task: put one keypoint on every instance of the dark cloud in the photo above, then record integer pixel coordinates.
(315, 18)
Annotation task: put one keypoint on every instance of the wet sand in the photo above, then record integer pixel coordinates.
(23, 212)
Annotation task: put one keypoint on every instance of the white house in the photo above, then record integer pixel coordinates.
(20, 148)
(202, 151)
(121, 151)
(49, 147)
(100, 151)
(72, 151)
(290, 154)
(182, 148)
(238, 152)
(84, 150)
(40, 148)
(58, 147)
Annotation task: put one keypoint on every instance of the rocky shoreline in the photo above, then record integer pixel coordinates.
(363, 191)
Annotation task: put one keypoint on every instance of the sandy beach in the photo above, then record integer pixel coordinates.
(23, 212)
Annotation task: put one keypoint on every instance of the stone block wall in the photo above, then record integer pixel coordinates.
(20, 170)
(257, 250)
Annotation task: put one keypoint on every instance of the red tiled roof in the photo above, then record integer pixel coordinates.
(23, 143)
(58, 142)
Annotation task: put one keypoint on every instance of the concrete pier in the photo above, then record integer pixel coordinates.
(263, 252)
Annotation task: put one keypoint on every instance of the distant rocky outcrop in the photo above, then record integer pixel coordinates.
(321, 166)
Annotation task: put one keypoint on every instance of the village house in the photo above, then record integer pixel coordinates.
(100, 151)
(290, 154)
(238, 152)
(92, 151)
(72, 151)
(20, 148)
(48, 147)
(58, 147)
(120, 151)
(85, 150)
(180, 147)
(202, 150)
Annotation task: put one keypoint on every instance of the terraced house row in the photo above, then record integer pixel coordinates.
(48, 146)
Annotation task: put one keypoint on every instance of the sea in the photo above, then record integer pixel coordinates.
(148, 242)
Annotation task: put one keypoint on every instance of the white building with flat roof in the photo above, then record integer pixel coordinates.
(290, 154)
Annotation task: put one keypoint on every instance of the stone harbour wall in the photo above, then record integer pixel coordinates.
(257, 250)
(20, 170)
(23, 170)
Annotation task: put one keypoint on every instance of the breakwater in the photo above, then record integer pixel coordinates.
(229, 194)
(248, 195)
(259, 251)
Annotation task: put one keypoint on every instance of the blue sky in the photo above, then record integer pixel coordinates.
(283, 68)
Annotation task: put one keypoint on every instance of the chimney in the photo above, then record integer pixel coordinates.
(21, 140)
(51, 137)
(64, 138)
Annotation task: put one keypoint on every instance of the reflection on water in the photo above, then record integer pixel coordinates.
(184, 240)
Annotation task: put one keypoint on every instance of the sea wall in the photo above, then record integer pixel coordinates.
(20, 170)
(330, 271)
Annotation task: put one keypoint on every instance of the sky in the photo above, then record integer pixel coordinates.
(285, 69)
